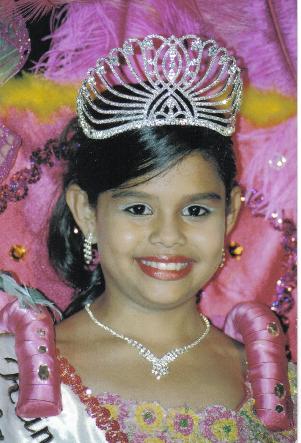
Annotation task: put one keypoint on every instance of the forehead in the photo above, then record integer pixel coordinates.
(191, 174)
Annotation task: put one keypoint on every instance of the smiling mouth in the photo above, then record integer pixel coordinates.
(167, 268)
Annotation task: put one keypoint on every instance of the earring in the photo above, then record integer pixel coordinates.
(222, 263)
(87, 249)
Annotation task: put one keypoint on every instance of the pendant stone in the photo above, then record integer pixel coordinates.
(160, 367)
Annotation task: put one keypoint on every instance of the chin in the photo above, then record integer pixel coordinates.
(163, 301)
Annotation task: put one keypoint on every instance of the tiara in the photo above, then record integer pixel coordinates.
(158, 81)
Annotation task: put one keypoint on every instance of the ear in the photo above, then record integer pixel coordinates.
(233, 208)
(83, 213)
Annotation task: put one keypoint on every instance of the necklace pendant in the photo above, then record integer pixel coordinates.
(160, 368)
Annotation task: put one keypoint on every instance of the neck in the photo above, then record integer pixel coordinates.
(155, 327)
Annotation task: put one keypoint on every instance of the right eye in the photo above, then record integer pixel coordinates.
(139, 209)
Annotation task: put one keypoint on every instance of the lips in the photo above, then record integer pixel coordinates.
(165, 268)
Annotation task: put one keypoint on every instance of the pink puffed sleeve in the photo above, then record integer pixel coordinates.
(39, 380)
(258, 328)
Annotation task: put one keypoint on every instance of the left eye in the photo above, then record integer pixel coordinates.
(195, 211)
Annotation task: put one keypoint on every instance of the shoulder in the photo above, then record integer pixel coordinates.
(74, 328)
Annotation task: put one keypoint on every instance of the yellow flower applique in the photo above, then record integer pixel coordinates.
(182, 423)
(225, 429)
(149, 417)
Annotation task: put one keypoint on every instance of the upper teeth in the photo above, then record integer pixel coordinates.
(165, 266)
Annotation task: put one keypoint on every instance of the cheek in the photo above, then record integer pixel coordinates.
(212, 231)
(116, 239)
(210, 241)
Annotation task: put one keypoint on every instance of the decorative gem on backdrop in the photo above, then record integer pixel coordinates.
(278, 161)
(276, 219)
(17, 252)
(14, 44)
(235, 250)
(9, 146)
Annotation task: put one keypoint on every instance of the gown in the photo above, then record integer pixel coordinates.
(142, 422)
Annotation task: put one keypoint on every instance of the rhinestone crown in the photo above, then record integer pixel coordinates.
(158, 81)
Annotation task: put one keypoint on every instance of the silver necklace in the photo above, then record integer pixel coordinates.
(160, 365)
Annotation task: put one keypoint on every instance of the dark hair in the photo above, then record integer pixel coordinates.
(100, 165)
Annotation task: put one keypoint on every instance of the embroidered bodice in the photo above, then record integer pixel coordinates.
(141, 422)
(152, 423)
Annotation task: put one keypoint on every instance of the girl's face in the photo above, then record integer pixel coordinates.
(160, 241)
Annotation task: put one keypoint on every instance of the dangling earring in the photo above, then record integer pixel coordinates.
(88, 254)
(222, 264)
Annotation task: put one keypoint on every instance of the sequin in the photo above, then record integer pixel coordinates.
(273, 329)
(279, 408)
(277, 162)
(42, 349)
(41, 332)
(17, 252)
(43, 372)
(279, 390)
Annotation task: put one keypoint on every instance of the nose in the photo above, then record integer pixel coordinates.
(167, 230)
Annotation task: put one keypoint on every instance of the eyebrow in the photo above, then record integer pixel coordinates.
(192, 198)
(205, 196)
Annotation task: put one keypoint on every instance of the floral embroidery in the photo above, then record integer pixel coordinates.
(182, 423)
(220, 424)
(149, 416)
(225, 429)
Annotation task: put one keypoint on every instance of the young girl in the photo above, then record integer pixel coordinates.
(149, 196)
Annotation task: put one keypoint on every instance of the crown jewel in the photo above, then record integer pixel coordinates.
(158, 81)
